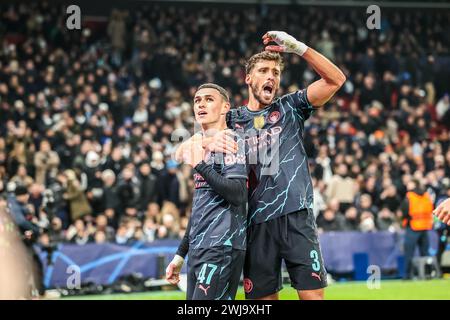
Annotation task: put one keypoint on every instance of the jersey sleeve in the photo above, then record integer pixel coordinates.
(234, 165)
(300, 102)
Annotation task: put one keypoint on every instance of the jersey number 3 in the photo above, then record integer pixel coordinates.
(315, 256)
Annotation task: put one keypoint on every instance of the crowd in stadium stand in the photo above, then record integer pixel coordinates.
(89, 114)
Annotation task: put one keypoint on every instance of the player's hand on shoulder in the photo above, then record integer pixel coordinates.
(222, 142)
(184, 151)
(194, 154)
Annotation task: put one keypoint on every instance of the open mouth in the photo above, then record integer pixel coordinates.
(268, 89)
(202, 113)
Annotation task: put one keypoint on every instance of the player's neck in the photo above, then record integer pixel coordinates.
(210, 129)
(253, 104)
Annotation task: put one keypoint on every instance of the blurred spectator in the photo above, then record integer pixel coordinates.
(127, 192)
(442, 108)
(100, 237)
(168, 222)
(319, 203)
(124, 234)
(386, 221)
(22, 178)
(153, 211)
(35, 192)
(365, 204)
(183, 226)
(110, 200)
(341, 187)
(78, 233)
(23, 212)
(390, 198)
(23, 215)
(351, 222)
(46, 162)
(367, 222)
(101, 225)
(79, 206)
(417, 211)
(149, 229)
(326, 46)
(148, 189)
(330, 221)
(117, 33)
(170, 183)
(56, 233)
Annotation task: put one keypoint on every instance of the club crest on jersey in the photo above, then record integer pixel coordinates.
(248, 285)
(274, 116)
(258, 122)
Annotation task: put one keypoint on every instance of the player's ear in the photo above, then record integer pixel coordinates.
(247, 79)
(225, 108)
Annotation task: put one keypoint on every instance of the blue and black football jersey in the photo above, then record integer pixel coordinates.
(214, 221)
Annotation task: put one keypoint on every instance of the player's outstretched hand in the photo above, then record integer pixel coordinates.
(285, 43)
(173, 269)
(443, 212)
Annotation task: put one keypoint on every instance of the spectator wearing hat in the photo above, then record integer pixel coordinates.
(22, 212)
(23, 215)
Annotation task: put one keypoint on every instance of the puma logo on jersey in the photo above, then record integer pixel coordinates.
(204, 289)
(315, 275)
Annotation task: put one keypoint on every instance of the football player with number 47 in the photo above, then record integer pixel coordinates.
(215, 239)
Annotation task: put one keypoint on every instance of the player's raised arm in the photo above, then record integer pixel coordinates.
(332, 78)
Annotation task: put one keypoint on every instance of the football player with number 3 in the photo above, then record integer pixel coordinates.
(281, 223)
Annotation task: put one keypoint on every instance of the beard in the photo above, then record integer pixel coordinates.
(259, 97)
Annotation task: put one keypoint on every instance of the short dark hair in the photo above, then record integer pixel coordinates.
(221, 90)
(265, 55)
(20, 190)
